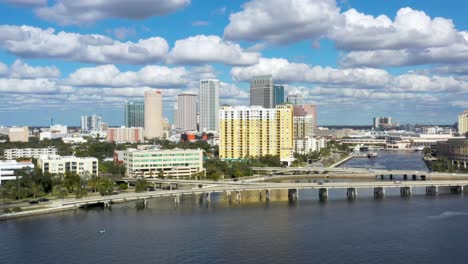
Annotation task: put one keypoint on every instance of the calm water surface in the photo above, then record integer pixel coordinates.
(418, 229)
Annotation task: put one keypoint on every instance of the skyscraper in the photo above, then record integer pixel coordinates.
(187, 111)
(134, 114)
(209, 105)
(153, 114)
(279, 94)
(91, 123)
(463, 122)
(256, 131)
(262, 92)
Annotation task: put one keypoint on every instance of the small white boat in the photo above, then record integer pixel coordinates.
(372, 155)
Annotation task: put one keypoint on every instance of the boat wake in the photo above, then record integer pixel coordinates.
(448, 214)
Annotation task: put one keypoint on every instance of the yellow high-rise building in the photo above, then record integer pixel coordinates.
(463, 122)
(256, 131)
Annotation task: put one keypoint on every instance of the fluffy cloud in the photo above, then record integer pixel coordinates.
(21, 70)
(285, 71)
(111, 76)
(33, 42)
(356, 78)
(32, 86)
(204, 49)
(455, 53)
(68, 12)
(282, 21)
(410, 29)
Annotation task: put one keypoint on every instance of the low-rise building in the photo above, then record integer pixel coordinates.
(56, 164)
(18, 134)
(8, 168)
(125, 134)
(456, 150)
(35, 153)
(170, 162)
(308, 145)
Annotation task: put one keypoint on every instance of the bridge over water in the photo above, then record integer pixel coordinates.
(234, 192)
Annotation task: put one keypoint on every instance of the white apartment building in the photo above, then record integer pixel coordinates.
(187, 111)
(307, 145)
(8, 167)
(172, 162)
(35, 153)
(56, 164)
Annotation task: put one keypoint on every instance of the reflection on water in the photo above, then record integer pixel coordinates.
(390, 160)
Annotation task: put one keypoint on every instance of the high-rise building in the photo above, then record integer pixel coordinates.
(91, 123)
(463, 122)
(209, 105)
(256, 131)
(305, 120)
(294, 98)
(153, 114)
(279, 94)
(383, 122)
(187, 111)
(134, 114)
(262, 92)
(18, 134)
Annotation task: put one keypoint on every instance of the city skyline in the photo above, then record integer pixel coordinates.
(353, 59)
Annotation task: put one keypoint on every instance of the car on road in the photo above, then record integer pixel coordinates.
(33, 202)
(43, 200)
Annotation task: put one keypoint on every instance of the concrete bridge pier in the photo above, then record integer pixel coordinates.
(208, 197)
(145, 203)
(293, 194)
(177, 199)
(323, 194)
(260, 195)
(267, 195)
(456, 189)
(107, 205)
(228, 196)
(379, 192)
(432, 190)
(405, 191)
(351, 193)
(238, 196)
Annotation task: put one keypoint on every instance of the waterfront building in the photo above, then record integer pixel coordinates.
(56, 164)
(125, 134)
(279, 94)
(91, 123)
(256, 131)
(463, 122)
(179, 163)
(18, 153)
(294, 98)
(18, 134)
(307, 145)
(8, 168)
(262, 92)
(305, 120)
(134, 114)
(187, 111)
(153, 114)
(209, 105)
(456, 150)
(383, 122)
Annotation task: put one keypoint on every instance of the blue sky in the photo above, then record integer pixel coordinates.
(355, 59)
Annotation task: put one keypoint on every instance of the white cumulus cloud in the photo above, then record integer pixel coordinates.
(210, 49)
